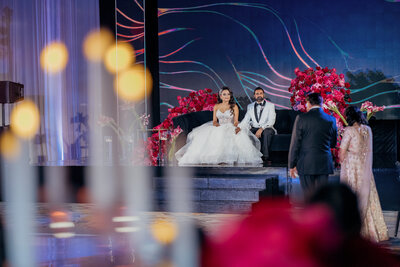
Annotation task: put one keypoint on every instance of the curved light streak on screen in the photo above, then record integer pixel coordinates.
(166, 104)
(301, 45)
(129, 18)
(179, 49)
(278, 105)
(134, 37)
(139, 52)
(375, 95)
(264, 84)
(240, 80)
(163, 10)
(190, 71)
(344, 54)
(260, 83)
(173, 30)
(286, 30)
(387, 80)
(168, 86)
(193, 62)
(247, 28)
(392, 106)
(260, 6)
(129, 27)
(257, 74)
(137, 3)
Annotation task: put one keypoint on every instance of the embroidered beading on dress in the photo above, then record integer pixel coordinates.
(224, 117)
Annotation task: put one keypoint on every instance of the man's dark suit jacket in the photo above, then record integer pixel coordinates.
(314, 133)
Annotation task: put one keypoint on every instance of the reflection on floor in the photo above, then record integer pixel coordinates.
(93, 242)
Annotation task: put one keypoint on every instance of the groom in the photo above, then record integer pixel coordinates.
(260, 120)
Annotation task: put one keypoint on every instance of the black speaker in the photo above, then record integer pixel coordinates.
(11, 92)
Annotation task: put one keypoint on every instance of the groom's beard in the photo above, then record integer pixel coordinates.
(259, 99)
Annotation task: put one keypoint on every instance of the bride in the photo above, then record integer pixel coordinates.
(216, 142)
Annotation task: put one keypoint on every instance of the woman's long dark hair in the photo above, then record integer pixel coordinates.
(353, 115)
(231, 100)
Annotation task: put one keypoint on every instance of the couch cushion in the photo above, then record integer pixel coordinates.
(284, 121)
(191, 120)
(280, 142)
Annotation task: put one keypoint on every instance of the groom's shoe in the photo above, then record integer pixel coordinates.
(266, 161)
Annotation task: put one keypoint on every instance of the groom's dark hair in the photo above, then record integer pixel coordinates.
(314, 99)
(258, 88)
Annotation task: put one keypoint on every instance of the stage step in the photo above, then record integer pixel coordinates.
(215, 206)
(215, 195)
(222, 183)
(217, 192)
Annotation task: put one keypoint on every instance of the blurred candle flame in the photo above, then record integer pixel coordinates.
(54, 57)
(25, 119)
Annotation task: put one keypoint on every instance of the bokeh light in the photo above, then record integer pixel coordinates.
(61, 225)
(10, 146)
(54, 57)
(96, 44)
(164, 231)
(119, 57)
(25, 119)
(132, 84)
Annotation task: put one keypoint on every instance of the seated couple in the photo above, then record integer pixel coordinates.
(225, 140)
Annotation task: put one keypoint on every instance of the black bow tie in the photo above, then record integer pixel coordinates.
(262, 104)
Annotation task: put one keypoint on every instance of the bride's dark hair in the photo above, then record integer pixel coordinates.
(231, 100)
(353, 115)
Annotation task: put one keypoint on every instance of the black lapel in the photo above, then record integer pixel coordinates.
(255, 112)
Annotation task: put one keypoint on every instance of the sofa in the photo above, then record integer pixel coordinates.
(280, 142)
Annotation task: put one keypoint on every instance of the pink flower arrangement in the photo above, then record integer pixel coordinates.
(326, 82)
(165, 134)
(370, 108)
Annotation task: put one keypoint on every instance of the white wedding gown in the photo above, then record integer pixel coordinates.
(208, 144)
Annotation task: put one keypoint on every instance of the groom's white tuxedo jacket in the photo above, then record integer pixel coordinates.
(267, 119)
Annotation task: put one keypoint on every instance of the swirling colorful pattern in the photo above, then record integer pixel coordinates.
(191, 58)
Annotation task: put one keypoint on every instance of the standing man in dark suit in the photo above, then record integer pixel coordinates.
(314, 134)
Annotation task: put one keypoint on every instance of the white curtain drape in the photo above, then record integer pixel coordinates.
(26, 27)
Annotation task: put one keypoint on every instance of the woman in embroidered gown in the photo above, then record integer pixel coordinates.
(216, 142)
(356, 171)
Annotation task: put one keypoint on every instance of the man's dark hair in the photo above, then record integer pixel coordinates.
(314, 99)
(258, 88)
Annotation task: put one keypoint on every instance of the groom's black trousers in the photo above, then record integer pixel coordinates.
(310, 183)
(265, 140)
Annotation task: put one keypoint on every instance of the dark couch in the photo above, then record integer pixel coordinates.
(280, 142)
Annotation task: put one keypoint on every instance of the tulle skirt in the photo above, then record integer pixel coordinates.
(212, 145)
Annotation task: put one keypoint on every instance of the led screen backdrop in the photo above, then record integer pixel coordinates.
(208, 44)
